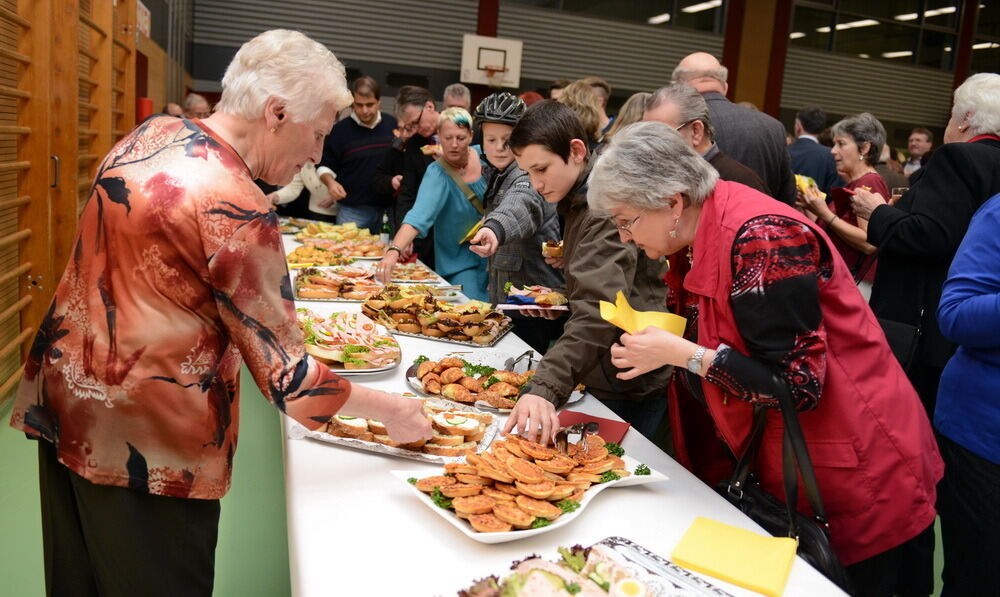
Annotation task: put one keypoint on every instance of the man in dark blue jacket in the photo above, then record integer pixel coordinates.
(351, 153)
(809, 158)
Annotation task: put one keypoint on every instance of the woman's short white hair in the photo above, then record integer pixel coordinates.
(288, 65)
(645, 164)
(457, 115)
(980, 96)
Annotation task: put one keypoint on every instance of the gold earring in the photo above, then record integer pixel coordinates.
(274, 130)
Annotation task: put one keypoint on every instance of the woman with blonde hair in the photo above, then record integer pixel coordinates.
(631, 112)
(583, 100)
(177, 278)
(450, 201)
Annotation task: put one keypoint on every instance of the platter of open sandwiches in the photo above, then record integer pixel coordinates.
(348, 342)
(487, 380)
(367, 249)
(342, 284)
(415, 272)
(518, 488)
(613, 567)
(308, 255)
(533, 297)
(293, 225)
(459, 430)
(311, 230)
(473, 324)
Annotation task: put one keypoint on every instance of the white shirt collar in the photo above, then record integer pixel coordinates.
(378, 119)
(808, 136)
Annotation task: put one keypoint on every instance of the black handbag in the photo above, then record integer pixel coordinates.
(743, 490)
(903, 338)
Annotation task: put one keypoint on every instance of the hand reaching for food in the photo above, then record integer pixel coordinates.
(484, 243)
(406, 421)
(535, 419)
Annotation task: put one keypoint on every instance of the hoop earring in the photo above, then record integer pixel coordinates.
(673, 233)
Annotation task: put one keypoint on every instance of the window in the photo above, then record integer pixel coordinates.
(920, 32)
(703, 15)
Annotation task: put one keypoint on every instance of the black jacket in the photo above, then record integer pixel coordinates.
(811, 159)
(921, 234)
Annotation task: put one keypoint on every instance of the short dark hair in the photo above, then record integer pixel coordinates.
(366, 86)
(411, 95)
(925, 132)
(812, 119)
(550, 124)
(558, 84)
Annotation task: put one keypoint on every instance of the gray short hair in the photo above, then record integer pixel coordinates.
(458, 91)
(863, 128)
(683, 74)
(979, 95)
(193, 99)
(643, 165)
(690, 104)
(288, 65)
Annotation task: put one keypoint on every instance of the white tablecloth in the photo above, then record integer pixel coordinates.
(354, 529)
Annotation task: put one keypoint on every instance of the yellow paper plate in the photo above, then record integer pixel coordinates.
(624, 316)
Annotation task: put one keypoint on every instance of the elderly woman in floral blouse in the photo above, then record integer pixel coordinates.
(177, 278)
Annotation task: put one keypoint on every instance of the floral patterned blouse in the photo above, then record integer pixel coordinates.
(177, 276)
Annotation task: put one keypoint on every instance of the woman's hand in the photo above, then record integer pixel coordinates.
(484, 243)
(649, 349)
(815, 205)
(556, 262)
(864, 203)
(396, 181)
(533, 416)
(405, 421)
(385, 267)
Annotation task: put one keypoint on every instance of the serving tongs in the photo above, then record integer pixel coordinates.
(508, 365)
(584, 429)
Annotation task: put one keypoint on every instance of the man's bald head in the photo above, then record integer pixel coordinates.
(703, 72)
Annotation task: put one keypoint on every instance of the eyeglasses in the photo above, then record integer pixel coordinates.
(628, 227)
(678, 128)
(412, 126)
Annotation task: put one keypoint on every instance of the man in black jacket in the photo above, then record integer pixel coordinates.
(809, 158)
(752, 138)
(418, 116)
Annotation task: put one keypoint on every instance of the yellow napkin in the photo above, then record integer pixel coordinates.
(736, 555)
(624, 316)
(472, 232)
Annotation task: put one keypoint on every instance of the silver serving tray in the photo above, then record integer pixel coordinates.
(503, 332)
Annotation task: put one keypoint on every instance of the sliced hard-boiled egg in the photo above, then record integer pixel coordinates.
(627, 587)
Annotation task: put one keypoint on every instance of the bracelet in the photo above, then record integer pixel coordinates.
(830, 221)
(394, 248)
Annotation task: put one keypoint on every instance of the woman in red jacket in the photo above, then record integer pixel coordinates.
(768, 294)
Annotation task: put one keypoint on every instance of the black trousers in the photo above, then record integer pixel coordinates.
(969, 504)
(113, 541)
(879, 575)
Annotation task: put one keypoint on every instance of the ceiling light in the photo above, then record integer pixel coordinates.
(863, 56)
(947, 48)
(934, 12)
(702, 6)
(659, 19)
(986, 45)
(901, 54)
(849, 25)
(796, 35)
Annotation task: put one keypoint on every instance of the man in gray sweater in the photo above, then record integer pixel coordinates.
(750, 137)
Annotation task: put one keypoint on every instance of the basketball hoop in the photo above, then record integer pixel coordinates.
(494, 75)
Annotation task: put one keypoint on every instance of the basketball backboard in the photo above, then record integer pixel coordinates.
(480, 52)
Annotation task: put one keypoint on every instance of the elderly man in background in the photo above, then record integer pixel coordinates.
(919, 145)
(809, 158)
(457, 95)
(196, 106)
(351, 153)
(682, 108)
(748, 136)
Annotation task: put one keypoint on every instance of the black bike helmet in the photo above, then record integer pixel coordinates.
(500, 107)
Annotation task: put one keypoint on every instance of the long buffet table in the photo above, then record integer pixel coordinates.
(354, 529)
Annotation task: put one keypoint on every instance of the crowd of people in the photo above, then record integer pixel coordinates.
(877, 311)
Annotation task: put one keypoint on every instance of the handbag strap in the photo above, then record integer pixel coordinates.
(795, 454)
(465, 188)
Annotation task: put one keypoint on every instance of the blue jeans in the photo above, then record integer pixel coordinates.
(643, 415)
(365, 216)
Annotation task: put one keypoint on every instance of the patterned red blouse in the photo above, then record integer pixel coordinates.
(176, 278)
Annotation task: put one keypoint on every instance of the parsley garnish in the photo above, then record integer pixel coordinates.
(412, 480)
(421, 359)
(507, 287)
(642, 469)
(614, 449)
(540, 522)
(440, 500)
(489, 382)
(473, 370)
(609, 476)
(568, 505)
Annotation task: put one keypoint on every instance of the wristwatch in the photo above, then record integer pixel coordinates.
(694, 363)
